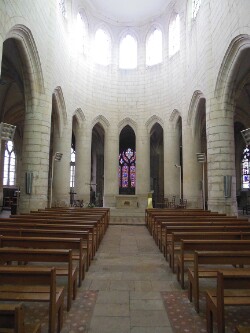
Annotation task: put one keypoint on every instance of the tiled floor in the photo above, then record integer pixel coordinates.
(129, 273)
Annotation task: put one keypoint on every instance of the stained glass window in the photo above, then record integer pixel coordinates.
(9, 173)
(245, 168)
(127, 169)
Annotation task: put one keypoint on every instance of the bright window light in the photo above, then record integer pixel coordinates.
(154, 48)
(102, 47)
(174, 35)
(128, 53)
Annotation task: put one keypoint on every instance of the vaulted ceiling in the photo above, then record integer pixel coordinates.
(128, 11)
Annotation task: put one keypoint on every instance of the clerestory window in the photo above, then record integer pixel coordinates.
(128, 52)
(154, 48)
(102, 47)
(174, 35)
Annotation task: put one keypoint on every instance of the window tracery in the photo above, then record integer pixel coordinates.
(9, 173)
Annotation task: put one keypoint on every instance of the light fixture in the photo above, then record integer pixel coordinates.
(7, 131)
(58, 156)
(201, 158)
(246, 136)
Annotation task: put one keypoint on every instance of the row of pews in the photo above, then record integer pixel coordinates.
(206, 245)
(38, 248)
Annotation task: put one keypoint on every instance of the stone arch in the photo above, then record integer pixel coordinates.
(193, 112)
(102, 121)
(60, 108)
(152, 121)
(174, 117)
(127, 121)
(224, 88)
(28, 50)
(80, 117)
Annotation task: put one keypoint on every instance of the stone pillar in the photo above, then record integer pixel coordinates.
(171, 158)
(83, 162)
(35, 153)
(61, 172)
(191, 168)
(221, 158)
(111, 155)
(142, 165)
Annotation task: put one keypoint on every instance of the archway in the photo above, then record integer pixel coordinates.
(127, 161)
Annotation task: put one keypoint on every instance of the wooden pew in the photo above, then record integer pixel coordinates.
(55, 257)
(12, 320)
(233, 289)
(175, 238)
(50, 243)
(189, 246)
(55, 226)
(43, 232)
(159, 232)
(201, 229)
(206, 265)
(33, 284)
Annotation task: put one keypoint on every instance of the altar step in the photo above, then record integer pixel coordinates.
(132, 212)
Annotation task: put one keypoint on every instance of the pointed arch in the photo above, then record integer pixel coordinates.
(125, 122)
(174, 117)
(102, 45)
(128, 60)
(154, 45)
(80, 117)
(229, 68)
(33, 70)
(102, 121)
(152, 121)
(197, 98)
(60, 108)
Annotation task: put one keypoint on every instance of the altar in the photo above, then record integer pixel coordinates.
(126, 201)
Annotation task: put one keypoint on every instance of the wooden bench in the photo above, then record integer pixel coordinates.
(242, 329)
(175, 238)
(54, 223)
(57, 226)
(74, 244)
(206, 265)
(233, 289)
(43, 232)
(12, 320)
(200, 229)
(34, 284)
(189, 246)
(55, 257)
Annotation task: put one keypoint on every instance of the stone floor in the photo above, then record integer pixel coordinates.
(129, 273)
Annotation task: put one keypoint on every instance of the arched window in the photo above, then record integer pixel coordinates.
(174, 35)
(154, 48)
(81, 33)
(245, 167)
(102, 47)
(9, 173)
(127, 169)
(195, 7)
(128, 52)
(72, 169)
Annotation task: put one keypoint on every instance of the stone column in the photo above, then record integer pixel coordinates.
(142, 165)
(35, 153)
(171, 158)
(221, 158)
(191, 168)
(61, 172)
(83, 162)
(111, 159)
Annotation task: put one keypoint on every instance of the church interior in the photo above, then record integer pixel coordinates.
(120, 108)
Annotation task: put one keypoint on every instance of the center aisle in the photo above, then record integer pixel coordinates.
(129, 273)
